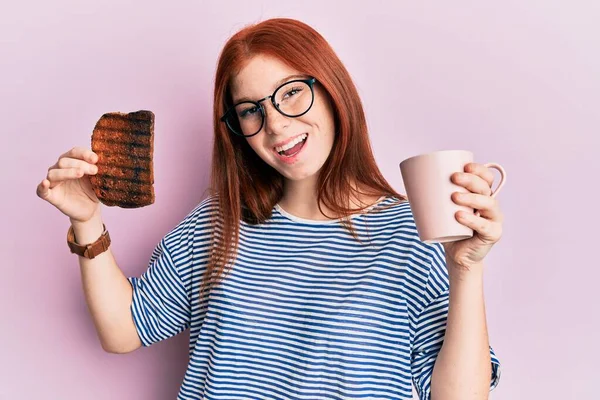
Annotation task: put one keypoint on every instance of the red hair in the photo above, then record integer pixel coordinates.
(246, 187)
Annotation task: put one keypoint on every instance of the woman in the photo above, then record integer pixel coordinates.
(324, 289)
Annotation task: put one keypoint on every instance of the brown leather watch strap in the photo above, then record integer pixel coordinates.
(90, 250)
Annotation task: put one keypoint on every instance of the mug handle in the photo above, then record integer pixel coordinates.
(499, 168)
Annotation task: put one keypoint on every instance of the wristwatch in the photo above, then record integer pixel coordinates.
(90, 250)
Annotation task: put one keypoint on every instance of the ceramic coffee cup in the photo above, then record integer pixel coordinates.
(428, 184)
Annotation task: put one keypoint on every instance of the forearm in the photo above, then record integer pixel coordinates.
(107, 291)
(463, 367)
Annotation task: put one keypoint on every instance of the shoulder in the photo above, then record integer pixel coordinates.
(393, 219)
(195, 223)
(427, 260)
(396, 214)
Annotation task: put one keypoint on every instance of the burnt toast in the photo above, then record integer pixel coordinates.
(124, 143)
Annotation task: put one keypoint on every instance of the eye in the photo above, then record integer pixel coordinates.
(248, 112)
(292, 92)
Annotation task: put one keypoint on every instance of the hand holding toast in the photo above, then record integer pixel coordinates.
(67, 185)
(117, 171)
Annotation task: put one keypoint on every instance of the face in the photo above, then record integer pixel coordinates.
(259, 78)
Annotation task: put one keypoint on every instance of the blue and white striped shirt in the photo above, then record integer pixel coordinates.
(307, 312)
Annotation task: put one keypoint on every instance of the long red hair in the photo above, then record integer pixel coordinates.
(246, 187)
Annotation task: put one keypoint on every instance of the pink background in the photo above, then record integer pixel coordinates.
(517, 82)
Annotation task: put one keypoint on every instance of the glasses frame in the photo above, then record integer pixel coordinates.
(309, 81)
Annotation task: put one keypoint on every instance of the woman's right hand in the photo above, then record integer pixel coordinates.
(67, 185)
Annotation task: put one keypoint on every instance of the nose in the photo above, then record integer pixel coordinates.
(275, 122)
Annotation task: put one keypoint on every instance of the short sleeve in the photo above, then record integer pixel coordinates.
(160, 304)
(430, 329)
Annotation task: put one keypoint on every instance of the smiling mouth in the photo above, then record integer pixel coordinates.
(292, 151)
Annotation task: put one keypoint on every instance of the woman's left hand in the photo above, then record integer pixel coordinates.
(487, 228)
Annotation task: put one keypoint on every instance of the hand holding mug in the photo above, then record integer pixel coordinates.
(486, 223)
(453, 203)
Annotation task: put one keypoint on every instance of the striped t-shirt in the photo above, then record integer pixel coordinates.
(306, 312)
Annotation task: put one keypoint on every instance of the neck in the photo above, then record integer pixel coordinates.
(300, 199)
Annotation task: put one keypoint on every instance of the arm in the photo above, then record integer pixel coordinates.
(463, 368)
(108, 293)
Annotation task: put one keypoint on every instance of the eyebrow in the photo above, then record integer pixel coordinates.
(275, 85)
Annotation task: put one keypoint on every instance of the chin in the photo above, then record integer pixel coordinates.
(298, 175)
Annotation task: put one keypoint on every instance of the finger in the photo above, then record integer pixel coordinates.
(489, 231)
(59, 175)
(486, 205)
(66, 162)
(81, 153)
(493, 215)
(473, 183)
(484, 172)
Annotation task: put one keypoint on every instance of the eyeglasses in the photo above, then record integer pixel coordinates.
(292, 99)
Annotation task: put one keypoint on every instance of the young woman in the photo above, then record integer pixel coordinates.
(301, 275)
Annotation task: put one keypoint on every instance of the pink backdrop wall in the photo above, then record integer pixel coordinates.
(517, 82)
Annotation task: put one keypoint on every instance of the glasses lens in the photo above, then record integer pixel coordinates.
(245, 119)
(294, 98)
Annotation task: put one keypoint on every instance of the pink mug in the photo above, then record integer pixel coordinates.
(427, 180)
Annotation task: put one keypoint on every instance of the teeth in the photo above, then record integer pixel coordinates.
(292, 143)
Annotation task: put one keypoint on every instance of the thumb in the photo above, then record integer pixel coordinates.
(43, 190)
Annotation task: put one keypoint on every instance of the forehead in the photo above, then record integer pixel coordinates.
(259, 77)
